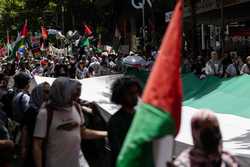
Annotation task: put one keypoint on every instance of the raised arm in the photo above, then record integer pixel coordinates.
(93, 134)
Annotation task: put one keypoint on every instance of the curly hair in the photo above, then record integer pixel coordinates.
(120, 86)
(21, 80)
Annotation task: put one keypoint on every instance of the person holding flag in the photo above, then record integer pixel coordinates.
(87, 30)
(159, 114)
(44, 37)
(125, 92)
(21, 42)
(86, 39)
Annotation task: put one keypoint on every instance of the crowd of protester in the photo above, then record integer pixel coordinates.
(76, 67)
(229, 65)
(47, 126)
(43, 128)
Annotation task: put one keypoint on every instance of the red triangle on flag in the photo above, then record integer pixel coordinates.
(44, 32)
(24, 30)
(164, 86)
(87, 30)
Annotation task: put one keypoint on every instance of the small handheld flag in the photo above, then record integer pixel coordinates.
(24, 30)
(87, 30)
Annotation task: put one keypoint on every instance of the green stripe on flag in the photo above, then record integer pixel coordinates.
(149, 123)
(227, 96)
(84, 42)
(222, 95)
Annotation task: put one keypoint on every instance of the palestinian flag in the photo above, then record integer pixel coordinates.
(44, 32)
(229, 100)
(159, 114)
(19, 46)
(25, 30)
(21, 42)
(84, 43)
(87, 30)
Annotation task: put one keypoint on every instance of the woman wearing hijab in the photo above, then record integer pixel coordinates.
(60, 125)
(39, 95)
(207, 150)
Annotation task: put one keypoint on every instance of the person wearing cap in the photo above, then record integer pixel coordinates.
(246, 67)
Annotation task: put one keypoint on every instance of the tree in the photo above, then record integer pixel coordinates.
(8, 14)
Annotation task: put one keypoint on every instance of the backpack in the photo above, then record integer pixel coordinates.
(18, 114)
(7, 102)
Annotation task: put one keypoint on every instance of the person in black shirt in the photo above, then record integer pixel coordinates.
(125, 92)
(72, 68)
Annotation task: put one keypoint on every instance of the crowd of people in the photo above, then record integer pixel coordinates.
(76, 67)
(229, 65)
(49, 124)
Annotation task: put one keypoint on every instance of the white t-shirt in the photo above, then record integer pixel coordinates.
(97, 67)
(231, 70)
(81, 74)
(213, 68)
(245, 69)
(64, 145)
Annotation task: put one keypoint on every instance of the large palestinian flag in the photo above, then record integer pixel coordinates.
(228, 98)
(157, 119)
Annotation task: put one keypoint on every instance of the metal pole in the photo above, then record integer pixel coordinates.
(8, 42)
(222, 28)
(62, 16)
(143, 23)
(62, 45)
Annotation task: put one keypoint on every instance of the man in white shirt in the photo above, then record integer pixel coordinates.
(234, 68)
(214, 65)
(246, 67)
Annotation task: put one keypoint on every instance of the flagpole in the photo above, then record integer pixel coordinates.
(222, 27)
(8, 52)
(143, 22)
(62, 6)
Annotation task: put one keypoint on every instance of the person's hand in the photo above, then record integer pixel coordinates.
(6, 146)
(9, 145)
(93, 106)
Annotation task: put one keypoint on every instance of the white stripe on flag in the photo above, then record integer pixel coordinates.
(163, 151)
(235, 131)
